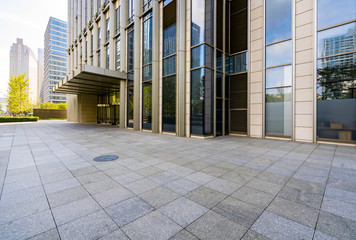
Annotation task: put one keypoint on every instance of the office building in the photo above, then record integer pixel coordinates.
(40, 72)
(24, 61)
(208, 68)
(55, 59)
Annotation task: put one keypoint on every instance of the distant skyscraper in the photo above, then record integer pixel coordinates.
(55, 59)
(40, 74)
(24, 61)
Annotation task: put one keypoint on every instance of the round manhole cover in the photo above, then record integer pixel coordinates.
(105, 158)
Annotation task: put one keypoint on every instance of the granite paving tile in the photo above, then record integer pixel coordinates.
(212, 226)
(159, 196)
(206, 197)
(73, 210)
(129, 210)
(92, 226)
(183, 211)
(152, 226)
(276, 227)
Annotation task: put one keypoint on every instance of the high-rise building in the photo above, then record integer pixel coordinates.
(208, 68)
(55, 59)
(24, 61)
(40, 74)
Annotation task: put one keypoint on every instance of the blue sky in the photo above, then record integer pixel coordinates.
(25, 19)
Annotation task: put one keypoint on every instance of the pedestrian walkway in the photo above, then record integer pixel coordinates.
(168, 187)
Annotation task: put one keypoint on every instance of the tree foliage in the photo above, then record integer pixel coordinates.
(18, 100)
(48, 105)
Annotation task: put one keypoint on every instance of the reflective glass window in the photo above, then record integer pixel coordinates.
(331, 12)
(130, 51)
(107, 29)
(279, 112)
(201, 101)
(278, 20)
(279, 77)
(147, 105)
(165, 2)
(118, 53)
(169, 65)
(238, 63)
(337, 40)
(117, 19)
(197, 101)
(169, 104)
(99, 37)
(198, 22)
(279, 54)
(147, 41)
(169, 40)
(219, 61)
(130, 104)
(197, 57)
(147, 72)
(107, 56)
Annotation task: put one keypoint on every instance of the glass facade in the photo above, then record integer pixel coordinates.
(107, 29)
(107, 57)
(278, 73)
(202, 73)
(55, 59)
(169, 84)
(236, 67)
(117, 54)
(147, 72)
(117, 20)
(130, 77)
(336, 65)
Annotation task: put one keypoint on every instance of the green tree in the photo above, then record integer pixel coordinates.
(17, 98)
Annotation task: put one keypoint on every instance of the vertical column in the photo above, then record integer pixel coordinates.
(84, 46)
(75, 53)
(75, 20)
(88, 11)
(304, 64)
(137, 64)
(123, 98)
(95, 44)
(89, 47)
(112, 34)
(69, 37)
(256, 69)
(79, 16)
(181, 55)
(155, 67)
(102, 41)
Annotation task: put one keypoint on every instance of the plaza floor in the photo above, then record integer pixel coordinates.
(167, 187)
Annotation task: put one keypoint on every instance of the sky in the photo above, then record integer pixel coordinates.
(26, 19)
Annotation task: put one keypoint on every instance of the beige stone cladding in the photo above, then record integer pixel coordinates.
(304, 74)
(256, 69)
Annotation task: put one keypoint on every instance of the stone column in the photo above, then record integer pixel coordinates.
(123, 98)
(155, 67)
(95, 44)
(112, 34)
(84, 53)
(75, 53)
(137, 64)
(256, 89)
(304, 128)
(102, 41)
(181, 62)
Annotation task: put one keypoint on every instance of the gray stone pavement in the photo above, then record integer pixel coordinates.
(166, 187)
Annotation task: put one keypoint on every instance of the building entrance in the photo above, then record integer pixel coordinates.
(108, 108)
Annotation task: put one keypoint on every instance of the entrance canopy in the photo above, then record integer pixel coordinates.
(90, 80)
